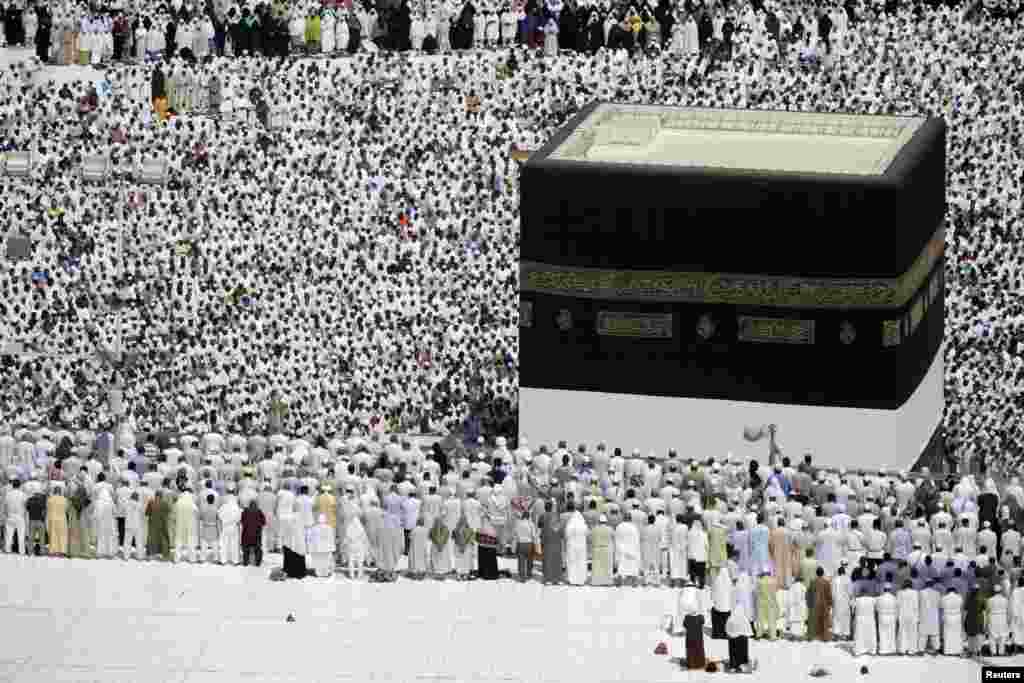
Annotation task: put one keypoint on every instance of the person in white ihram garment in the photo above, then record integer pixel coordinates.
(627, 551)
(887, 608)
(321, 548)
(357, 546)
(576, 548)
(908, 608)
(865, 640)
(103, 514)
(16, 525)
(230, 516)
(952, 623)
(997, 622)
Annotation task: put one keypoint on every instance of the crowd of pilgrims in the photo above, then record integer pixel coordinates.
(350, 256)
(897, 562)
(70, 31)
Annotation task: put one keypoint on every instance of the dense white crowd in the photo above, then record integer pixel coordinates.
(360, 258)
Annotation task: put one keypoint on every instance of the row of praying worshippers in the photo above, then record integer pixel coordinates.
(591, 517)
(880, 619)
(412, 245)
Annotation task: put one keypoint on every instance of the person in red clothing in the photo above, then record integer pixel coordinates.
(253, 522)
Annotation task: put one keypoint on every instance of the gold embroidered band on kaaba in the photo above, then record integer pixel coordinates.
(731, 288)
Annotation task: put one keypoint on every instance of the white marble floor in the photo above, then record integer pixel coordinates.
(111, 622)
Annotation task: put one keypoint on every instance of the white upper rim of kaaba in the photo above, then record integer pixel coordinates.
(897, 129)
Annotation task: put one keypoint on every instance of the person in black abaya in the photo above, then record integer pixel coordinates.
(355, 34)
(582, 28)
(294, 564)
(12, 24)
(596, 30)
(462, 30)
(158, 83)
(705, 29)
(401, 26)
(666, 18)
(43, 32)
(567, 28)
(728, 29)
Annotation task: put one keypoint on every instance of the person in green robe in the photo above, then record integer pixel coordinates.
(158, 511)
(439, 537)
(717, 550)
(602, 543)
(552, 534)
(78, 540)
(767, 607)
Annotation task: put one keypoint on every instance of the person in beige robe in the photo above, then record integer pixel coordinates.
(57, 521)
(781, 554)
(67, 44)
(602, 543)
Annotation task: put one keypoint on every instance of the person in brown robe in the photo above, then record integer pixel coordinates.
(821, 615)
(778, 549)
(158, 510)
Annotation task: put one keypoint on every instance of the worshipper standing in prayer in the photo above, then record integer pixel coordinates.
(488, 540)
(697, 552)
(974, 613)
(253, 524)
(391, 537)
(357, 547)
(322, 547)
(722, 603)
(438, 544)
(887, 609)
(526, 536)
(103, 515)
(865, 630)
(293, 536)
(908, 609)
(996, 620)
(57, 522)
(767, 607)
(821, 613)
(627, 551)
(209, 529)
(1017, 616)
(930, 607)
(693, 621)
(78, 545)
(461, 542)
(738, 630)
(678, 565)
(952, 622)
(422, 548)
(576, 547)
(551, 539)
(796, 608)
(230, 517)
(159, 513)
(602, 543)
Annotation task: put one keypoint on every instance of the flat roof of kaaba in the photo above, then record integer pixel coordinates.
(734, 139)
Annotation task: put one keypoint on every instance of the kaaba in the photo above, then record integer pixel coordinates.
(717, 266)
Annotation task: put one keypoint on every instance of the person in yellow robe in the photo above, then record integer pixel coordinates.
(57, 521)
(327, 505)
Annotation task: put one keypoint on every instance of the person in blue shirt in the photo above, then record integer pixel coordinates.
(781, 480)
